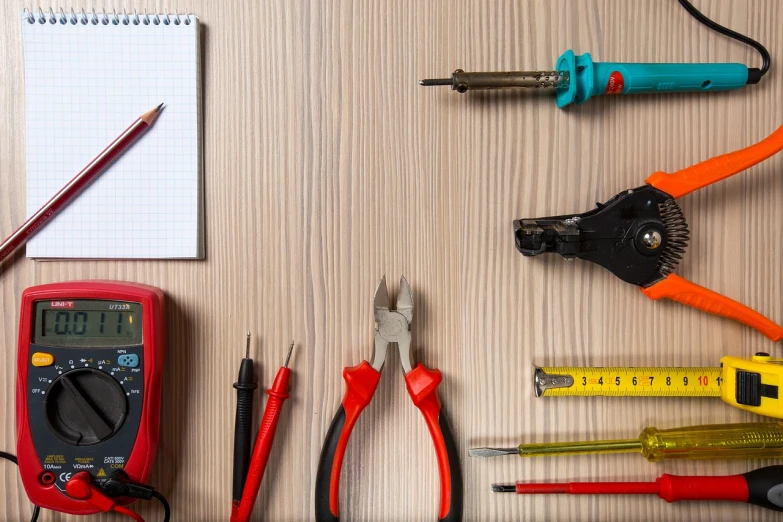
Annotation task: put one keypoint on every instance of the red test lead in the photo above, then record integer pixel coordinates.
(278, 393)
(762, 487)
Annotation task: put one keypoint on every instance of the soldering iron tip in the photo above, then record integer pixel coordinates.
(247, 348)
(435, 81)
(492, 452)
(288, 357)
(504, 488)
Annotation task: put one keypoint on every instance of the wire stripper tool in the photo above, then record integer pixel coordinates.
(640, 235)
(391, 326)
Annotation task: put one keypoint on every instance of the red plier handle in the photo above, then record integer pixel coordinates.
(361, 382)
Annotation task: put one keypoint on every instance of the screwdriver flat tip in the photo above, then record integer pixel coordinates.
(288, 357)
(435, 81)
(504, 488)
(492, 452)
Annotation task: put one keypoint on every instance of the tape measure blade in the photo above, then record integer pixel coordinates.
(629, 381)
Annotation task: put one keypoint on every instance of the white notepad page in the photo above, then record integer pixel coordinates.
(85, 83)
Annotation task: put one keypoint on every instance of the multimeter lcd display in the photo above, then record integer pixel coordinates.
(83, 322)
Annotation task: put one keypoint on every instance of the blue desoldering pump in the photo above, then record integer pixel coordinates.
(576, 78)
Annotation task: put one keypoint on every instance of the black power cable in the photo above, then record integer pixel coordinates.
(12, 458)
(754, 74)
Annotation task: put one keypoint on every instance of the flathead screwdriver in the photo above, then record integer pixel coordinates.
(245, 386)
(755, 440)
(762, 487)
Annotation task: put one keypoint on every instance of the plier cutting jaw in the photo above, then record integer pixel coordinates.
(391, 326)
(641, 234)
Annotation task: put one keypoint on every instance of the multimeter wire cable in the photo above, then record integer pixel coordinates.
(164, 503)
(12, 458)
(754, 74)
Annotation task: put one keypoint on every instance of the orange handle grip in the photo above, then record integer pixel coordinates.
(683, 291)
(715, 169)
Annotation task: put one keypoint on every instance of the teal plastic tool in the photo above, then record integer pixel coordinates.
(588, 78)
(576, 78)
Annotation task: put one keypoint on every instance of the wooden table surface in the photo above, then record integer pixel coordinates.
(327, 166)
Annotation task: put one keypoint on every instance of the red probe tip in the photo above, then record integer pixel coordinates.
(288, 358)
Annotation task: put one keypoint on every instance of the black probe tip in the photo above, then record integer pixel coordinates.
(504, 488)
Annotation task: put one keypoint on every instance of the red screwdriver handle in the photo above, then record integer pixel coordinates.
(422, 384)
(360, 384)
(278, 393)
(675, 487)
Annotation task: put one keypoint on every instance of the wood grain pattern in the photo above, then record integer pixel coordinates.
(327, 166)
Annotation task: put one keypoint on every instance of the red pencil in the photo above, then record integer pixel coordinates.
(80, 181)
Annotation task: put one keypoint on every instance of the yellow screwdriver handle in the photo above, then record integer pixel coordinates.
(753, 440)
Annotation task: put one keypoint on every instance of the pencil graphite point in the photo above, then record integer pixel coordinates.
(149, 116)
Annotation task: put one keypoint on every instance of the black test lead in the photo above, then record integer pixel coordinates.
(245, 387)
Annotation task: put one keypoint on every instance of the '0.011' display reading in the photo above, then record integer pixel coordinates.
(88, 323)
(92, 323)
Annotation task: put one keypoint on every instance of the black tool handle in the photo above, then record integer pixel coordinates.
(245, 387)
(765, 487)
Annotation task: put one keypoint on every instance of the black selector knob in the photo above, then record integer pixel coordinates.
(85, 406)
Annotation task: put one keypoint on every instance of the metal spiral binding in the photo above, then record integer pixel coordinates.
(104, 18)
(678, 236)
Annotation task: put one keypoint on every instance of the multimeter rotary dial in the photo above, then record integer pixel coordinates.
(85, 406)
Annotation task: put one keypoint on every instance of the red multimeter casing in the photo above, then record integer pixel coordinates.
(59, 379)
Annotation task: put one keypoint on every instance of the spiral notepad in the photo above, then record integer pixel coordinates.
(88, 75)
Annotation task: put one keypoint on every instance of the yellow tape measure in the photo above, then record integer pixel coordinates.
(749, 384)
(629, 382)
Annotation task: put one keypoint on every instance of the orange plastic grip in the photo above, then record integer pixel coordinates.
(715, 169)
(683, 291)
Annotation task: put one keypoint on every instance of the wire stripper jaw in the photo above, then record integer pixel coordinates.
(636, 235)
(393, 326)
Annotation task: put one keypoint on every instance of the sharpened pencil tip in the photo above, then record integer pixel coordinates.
(149, 116)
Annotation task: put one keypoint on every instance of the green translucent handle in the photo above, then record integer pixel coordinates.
(716, 441)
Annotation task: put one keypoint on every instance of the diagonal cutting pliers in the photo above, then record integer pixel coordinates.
(391, 326)
(641, 234)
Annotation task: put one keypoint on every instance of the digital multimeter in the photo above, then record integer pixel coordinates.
(89, 365)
